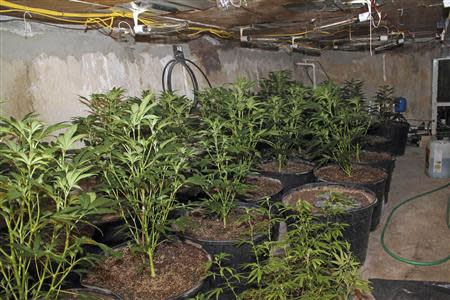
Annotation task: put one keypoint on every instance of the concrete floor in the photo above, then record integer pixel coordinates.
(418, 230)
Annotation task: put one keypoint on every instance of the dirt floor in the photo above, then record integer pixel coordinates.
(418, 230)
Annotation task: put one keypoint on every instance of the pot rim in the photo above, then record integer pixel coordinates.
(392, 157)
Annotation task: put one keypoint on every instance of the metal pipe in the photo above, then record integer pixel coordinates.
(314, 70)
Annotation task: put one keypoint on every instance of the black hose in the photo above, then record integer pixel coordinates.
(201, 71)
(167, 76)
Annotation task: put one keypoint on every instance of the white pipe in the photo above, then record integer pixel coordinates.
(314, 70)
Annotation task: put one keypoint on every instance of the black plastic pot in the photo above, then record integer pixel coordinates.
(397, 134)
(378, 187)
(110, 231)
(388, 165)
(292, 180)
(240, 253)
(274, 196)
(375, 143)
(189, 294)
(92, 292)
(359, 219)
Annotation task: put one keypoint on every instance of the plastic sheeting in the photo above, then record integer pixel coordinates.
(410, 290)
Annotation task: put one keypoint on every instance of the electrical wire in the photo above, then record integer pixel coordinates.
(105, 20)
(389, 220)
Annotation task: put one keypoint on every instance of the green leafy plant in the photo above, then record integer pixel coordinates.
(102, 108)
(334, 202)
(337, 125)
(43, 208)
(353, 89)
(385, 102)
(286, 122)
(311, 262)
(276, 84)
(232, 126)
(144, 171)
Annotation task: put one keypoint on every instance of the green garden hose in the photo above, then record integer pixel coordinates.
(388, 222)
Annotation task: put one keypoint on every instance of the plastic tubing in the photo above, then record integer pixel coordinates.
(388, 222)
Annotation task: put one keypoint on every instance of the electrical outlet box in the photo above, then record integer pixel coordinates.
(446, 3)
(364, 17)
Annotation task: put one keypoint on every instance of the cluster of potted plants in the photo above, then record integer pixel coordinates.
(170, 201)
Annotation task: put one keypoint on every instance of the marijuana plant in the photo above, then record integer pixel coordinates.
(276, 84)
(337, 127)
(311, 262)
(353, 89)
(43, 208)
(286, 122)
(144, 171)
(385, 102)
(101, 108)
(232, 123)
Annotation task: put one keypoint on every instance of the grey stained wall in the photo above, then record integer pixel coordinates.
(46, 70)
(408, 69)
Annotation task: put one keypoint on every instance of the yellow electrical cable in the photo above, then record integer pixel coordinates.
(54, 13)
(97, 18)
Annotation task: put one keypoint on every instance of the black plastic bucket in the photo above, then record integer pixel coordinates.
(239, 254)
(359, 219)
(89, 292)
(292, 180)
(388, 165)
(397, 134)
(378, 187)
(375, 143)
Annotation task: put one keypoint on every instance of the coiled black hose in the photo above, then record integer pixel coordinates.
(167, 76)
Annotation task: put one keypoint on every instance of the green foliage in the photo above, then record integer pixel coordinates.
(334, 202)
(311, 262)
(232, 126)
(43, 208)
(285, 104)
(353, 89)
(146, 166)
(338, 126)
(385, 102)
(276, 84)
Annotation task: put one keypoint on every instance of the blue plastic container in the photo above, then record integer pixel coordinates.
(400, 105)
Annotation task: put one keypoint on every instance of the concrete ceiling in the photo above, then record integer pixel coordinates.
(271, 21)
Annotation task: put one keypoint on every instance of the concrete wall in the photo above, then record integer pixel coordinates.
(46, 70)
(409, 70)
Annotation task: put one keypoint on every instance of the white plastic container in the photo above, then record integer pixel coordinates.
(437, 162)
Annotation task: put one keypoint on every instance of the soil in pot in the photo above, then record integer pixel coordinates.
(381, 160)
(179, 268)
(365, 176)
(210, 228)
(293, 174)
(261, 187)
(358, 216)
